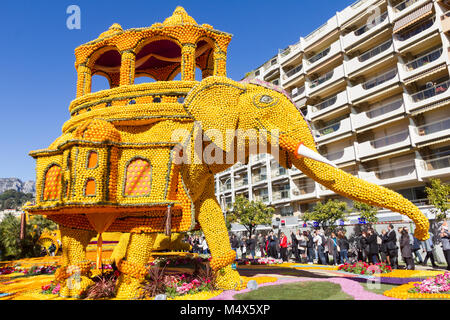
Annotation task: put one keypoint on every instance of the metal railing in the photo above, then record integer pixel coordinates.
(403, 5)
(388, 140)
(334, 155)
(409, 33)
(280, 195)
(376, 81)
(293, 71)
(437, 163)
(433, 127)
(375, 51)
(424, 59)
(324, 104)
(431, 91)
(329, 129)
(384, 109)
(259, 177)
(299, 91)
(322, 79)
(393, 171)
(319, 55)
(376, 21)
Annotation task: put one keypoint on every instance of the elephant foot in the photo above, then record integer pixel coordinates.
(229, 279)
(129, 282)
(75, 287)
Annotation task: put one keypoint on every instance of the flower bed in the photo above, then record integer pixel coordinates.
(364, 268)
(432, 288)
(34, 270)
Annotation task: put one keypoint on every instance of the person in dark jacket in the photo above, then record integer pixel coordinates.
(272, 246)
(364, 246)
(391, 245)
(370, 239)
(344, 245)
(310, 248)
(383, 248)
(405, 249)
(234, 244)
(294, 245)
(251, 246)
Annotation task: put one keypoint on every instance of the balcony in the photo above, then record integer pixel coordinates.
(333, 130)
(431, 131)
(406, 7)
(303, 189)
(271, 67)
(292, 74)
(281, 195)
(256, 178)
(298, 93)
(376, 25)
(322, 31)
(323, 55)
(325, 80)
(278, 171)
(429, 95)
(384, 144)
(391, 174)
(354, 9)
(345, 155)
(435, 167)
(332, 103)
(290, 52)
(367, 58)
(423, 63)
(415, 33)
(261, 196)
(445, 22)
(378, 83)
(379, 114)
(241, 183)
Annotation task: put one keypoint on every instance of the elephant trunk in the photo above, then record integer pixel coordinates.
(352, 187)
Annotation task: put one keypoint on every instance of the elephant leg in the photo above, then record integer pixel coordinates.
(73, 275)
(212, 222)
(132, 267)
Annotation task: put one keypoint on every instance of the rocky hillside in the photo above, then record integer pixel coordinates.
(17, 184)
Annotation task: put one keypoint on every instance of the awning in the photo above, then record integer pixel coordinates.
(413, 17)
(431, 107)
(426, 74)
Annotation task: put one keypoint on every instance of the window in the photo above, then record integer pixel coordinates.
(138, 178)
(90, 188)
(52, 183)
(92, 160)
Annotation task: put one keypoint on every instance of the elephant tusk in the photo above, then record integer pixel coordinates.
(308, 153)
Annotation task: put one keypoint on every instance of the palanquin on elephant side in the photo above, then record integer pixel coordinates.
(130, 160)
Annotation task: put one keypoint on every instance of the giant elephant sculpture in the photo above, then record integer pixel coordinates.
(229, 118)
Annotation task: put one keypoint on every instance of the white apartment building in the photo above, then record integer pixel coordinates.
(373, 82)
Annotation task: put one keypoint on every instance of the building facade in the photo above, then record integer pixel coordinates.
(373, 83)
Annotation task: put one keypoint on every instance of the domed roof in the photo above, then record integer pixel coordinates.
(179, 16)
(115, 28)
(98, 131)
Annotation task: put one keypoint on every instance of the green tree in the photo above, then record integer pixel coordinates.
(249, 214)
(10, 243)
(366, 211)
(12, 199)
(326, 214)
(438, 195)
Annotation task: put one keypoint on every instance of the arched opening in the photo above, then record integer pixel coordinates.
(99, 82)
(90, 188)
(160, 58)
(105, 65)
(143, 78)
(92, 160)
(138, 178)
(52, 183)
(204, 58)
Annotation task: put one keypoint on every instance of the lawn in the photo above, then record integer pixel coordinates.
(308, 290)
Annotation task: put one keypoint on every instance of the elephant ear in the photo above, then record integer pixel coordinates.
(214, 105)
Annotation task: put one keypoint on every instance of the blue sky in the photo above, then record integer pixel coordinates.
(38, 77)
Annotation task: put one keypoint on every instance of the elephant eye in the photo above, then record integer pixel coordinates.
(266, 99)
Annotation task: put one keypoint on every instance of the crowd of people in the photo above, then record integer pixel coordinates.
(336, 248)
